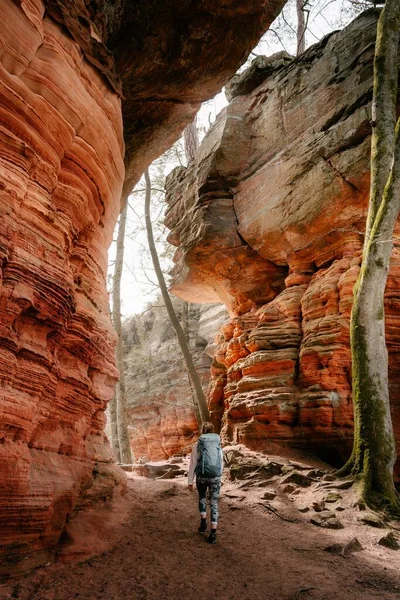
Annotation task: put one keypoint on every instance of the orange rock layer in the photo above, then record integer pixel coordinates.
(275, 210)
(61, 174)
(64, 129)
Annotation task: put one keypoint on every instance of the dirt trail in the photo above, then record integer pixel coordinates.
(259, 556)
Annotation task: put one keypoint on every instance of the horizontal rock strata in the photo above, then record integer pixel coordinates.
(72, 73)
(61, 171)
(270, 221)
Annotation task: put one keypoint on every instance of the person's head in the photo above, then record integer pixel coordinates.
(207, 427)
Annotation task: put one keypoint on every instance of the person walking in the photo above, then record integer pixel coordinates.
(206, 462)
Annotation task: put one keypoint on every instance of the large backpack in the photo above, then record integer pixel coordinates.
(209, 463)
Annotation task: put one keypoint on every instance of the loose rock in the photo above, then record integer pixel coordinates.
(344, 549)
(288, 489)
(372, 520)
(332, 497)
(298, 479)
(318, 506)
(269, 495)
(326, 519)
(389, 541)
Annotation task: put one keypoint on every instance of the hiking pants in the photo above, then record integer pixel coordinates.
(214, 486)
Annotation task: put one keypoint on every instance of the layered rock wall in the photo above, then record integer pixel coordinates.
(61, 174)
(270, 221)
(80, 82)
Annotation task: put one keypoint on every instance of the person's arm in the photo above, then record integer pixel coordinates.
(192, 466)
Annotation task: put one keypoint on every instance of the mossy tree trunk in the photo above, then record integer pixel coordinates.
(374, 452)
(120, 393)
(201, 407)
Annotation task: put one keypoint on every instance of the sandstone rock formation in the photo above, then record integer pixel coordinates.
(61, 175)
(64, 66)
(161, 417)
(270, 221)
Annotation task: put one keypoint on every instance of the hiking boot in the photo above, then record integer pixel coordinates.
(212, 538)
(203, 526)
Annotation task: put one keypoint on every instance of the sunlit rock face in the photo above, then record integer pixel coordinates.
(61, 174)
(162, 420)
(270, 221)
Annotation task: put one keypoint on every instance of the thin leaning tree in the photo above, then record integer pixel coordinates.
(374, 452)
(201, 407)
(120, 391)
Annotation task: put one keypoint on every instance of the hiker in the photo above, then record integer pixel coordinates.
(206, 462)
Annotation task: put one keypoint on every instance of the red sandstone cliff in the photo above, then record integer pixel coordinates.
(270, 221)
(63, 68)
(61, 175)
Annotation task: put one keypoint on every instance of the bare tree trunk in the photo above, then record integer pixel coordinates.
(112, 412)
(191, 140)
(301, 27)
(185, 320)
(374, 452)
(120, 394)
(201, 407)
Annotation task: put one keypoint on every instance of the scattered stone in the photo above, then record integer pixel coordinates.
(340, 507)
(326, 519)
(303, 509)
(169, 474)
(274, 468)
(288, 489)
(268, 482)
(358, 504)
(298, 479)
(299, 466)
(344, 549)
(332, 523)
(314, 473)
(389, 541)
(296, 492)
(269, 495)
(329, 477)
(157, 470)
(372, 520)
(332, 497)
(318, 506)
(287, 469)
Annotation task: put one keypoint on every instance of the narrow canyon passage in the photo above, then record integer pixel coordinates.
(159, 554)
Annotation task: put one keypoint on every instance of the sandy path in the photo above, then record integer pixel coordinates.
(160, 556)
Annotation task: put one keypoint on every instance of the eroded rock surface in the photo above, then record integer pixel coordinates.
(63, 68)
(270, 221)
(61, 173)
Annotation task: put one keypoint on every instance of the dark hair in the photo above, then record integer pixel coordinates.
(207, 427)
